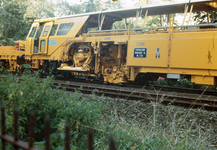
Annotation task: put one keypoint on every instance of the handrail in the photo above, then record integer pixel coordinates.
(133, 29)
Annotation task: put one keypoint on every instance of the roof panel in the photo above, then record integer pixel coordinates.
(204, 5)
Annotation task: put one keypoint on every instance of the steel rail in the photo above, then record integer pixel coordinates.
(109, 91)
(177, 89)
(149, 86)
(210, 105)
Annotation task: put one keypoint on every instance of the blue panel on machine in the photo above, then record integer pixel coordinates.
(140, 52)
(52, 42)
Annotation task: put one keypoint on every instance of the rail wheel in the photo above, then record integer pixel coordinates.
(141, 79)
(67, 75)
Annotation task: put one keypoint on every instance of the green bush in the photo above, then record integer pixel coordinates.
(185, 83)
(7, 42)
(29, 94)
(161, 82)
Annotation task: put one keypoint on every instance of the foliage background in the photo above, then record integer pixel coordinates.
(16, 16)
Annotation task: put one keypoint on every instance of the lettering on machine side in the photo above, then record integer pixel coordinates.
(140, 53)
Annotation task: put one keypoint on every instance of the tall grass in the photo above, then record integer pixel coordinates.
(139, 125)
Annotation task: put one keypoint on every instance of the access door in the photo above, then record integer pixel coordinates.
(30, 39)
(44, 38)
(35, 45)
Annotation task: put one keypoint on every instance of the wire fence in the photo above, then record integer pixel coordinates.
(14, 140)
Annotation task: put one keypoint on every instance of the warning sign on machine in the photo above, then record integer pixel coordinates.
(140, 52)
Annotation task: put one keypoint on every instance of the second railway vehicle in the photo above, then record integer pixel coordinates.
(87, 45)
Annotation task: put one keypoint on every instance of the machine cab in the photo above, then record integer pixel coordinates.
(37, 40)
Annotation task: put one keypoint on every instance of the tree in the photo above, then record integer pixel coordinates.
(110, 4)
(201, 17)
(16, 17)
(39, 9)
(92, 6)
(12, 24)
(64, 8)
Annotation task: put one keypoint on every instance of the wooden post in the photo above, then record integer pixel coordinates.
(192, 6)
(208, 17)
(169, 24)
(186, 10)
(129, 31)
(137, 16)
(213, 15)
(102, 22)
(146, 14)
(161, 21)
(125, 23)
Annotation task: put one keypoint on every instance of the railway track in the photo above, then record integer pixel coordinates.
(151, 86)
(144, 96)
(142, 93)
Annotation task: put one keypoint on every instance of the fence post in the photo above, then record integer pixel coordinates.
(112, 143)
(90, 139)
(47, 133)
(31, 128)
(3, 125)
(16, 114)
(67, 139)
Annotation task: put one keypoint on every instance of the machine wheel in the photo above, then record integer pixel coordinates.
(101, 79)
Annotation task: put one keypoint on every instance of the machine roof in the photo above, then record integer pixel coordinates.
(205, 5)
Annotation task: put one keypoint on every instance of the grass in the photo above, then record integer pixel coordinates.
(155, 126)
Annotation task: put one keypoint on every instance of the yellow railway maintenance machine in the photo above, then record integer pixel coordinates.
(87, 45)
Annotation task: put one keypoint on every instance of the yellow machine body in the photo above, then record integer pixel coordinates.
(87, 45)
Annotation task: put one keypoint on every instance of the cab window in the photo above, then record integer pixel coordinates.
(33, 32)
(38, 33)
(64, 28)
(46, 29)
(53, 30)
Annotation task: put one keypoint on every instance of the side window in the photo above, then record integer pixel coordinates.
(64, 28)
(92, 27)
(33, 32)
(46, 29)
(53, 30)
